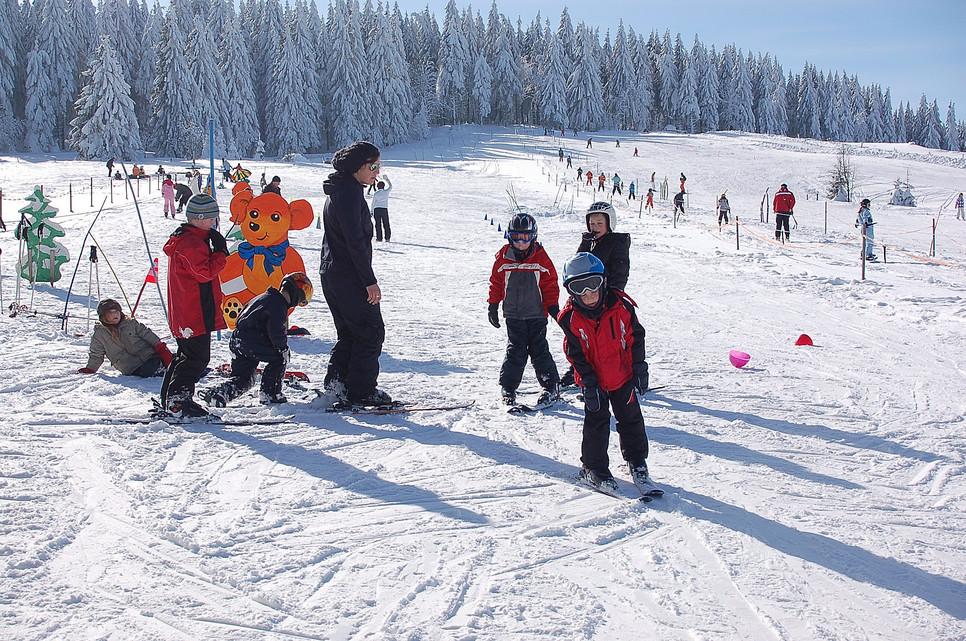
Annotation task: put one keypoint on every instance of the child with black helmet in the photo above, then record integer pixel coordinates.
(525, 281)
(605, 343)
(260, 336)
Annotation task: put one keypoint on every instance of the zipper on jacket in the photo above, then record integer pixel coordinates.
(613, 334)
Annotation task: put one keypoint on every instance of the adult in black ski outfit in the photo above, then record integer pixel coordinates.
(348, 282)
(613, 250)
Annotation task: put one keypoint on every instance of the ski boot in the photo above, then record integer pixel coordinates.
(598, 481)
(271, 398)
(377, 398)
(184, 408)
(509, 396)
(214, 396)
(549, 396)
(642, 481)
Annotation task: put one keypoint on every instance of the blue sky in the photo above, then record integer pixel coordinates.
(912, 47)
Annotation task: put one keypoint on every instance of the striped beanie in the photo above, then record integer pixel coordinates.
(201, 206)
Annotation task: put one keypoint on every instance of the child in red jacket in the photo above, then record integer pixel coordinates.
(525, 281)
(605, 343)
(197, 252)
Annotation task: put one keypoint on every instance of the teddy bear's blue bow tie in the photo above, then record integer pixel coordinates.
(273, 255)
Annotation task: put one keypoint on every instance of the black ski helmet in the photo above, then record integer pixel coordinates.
(298, 287)
(107, 305)
(521, 224)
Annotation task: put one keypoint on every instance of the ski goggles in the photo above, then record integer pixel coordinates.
(585, 284)
(520, 236)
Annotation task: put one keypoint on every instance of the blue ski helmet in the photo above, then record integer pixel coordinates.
(582, 273)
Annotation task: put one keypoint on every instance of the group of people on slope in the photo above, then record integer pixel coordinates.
(197, 252)
(603, 339)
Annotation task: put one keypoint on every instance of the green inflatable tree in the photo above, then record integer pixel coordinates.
(44, 255)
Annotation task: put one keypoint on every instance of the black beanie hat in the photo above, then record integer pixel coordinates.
(349, 159)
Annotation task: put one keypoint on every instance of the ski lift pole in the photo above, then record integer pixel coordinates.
(211, 158)
(91, 268)
(862, 250)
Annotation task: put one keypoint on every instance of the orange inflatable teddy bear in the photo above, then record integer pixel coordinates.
(264, 257)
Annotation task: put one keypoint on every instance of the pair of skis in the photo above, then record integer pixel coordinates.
(649, 491)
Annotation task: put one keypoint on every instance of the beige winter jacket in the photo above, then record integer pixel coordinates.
(128, 347)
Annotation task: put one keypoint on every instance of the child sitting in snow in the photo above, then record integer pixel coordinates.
(128, 344)
(605, 343)
(260, 336)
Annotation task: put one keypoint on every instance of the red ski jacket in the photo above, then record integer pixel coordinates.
(603, 350)
(784, 202)
(194, 293)
(527, 288)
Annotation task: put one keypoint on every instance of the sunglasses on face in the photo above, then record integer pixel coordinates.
(374, 166)
(585, 284)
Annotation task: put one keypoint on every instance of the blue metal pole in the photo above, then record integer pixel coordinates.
(211, 157)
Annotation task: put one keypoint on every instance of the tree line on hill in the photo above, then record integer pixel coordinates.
(122, 78)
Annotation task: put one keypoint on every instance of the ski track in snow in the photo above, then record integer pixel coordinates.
(816, 494)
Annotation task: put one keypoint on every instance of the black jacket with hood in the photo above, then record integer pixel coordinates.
(347, 243)
(613, 250)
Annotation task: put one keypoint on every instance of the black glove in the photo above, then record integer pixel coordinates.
(640, 377)
(554, 311)
(588, 235)
(218, 242)
(493, 315)
(593, 398)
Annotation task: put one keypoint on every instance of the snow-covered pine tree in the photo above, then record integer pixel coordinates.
(234, 63)
(584, 91)
(889, 119)
(933, 134)
(507, 87)
(83, 21)
(642, 90)
(744, 118)
(114, 20)
(809, 125)
(289, 125)
(482, 87)
(450, 81)
(265, 51)
(9, 20)
(41, 104)
(791, 103)
(389, 85)
(873, 117)
(952, 131)
(105, 125)
(174, 121)
(305, 38)
(708, 92)
(208, 85)
(727, 66)
(147, 67)
(688, 109)
(553, 94)
(621, 80)
(899, 123)
(669, 83)
(345, 103)
(367, 23)
(54, 37)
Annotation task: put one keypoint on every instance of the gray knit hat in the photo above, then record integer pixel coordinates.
(349, 159)
(201, 206)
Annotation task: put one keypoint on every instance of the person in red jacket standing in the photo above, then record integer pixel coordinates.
(784, 206)
(196, 252)
(525, 281)
(605, 343)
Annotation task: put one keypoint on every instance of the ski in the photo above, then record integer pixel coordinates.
(211, 419)
(397, 407)
(520, 408)
(290, 375)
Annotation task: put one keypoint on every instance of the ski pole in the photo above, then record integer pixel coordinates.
(1, 280)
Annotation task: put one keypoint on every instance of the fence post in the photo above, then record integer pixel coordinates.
(932, 246)
(862, 245)
(92, 192)
(884, 259)
(70, 191)
(112, 189)
(737, 239)
(826, 218)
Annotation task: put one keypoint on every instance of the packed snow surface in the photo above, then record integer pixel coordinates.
(817, 493)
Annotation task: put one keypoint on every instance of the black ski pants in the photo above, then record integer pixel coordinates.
(381, 216)
(244, 364)
(781, 221)
(148, 368)
(630, 429)
(527, 337)
(186, 369)
(360, 332)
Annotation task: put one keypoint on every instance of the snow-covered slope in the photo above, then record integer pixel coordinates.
(816, 494)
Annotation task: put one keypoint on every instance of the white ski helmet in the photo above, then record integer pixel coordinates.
(605, 208)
